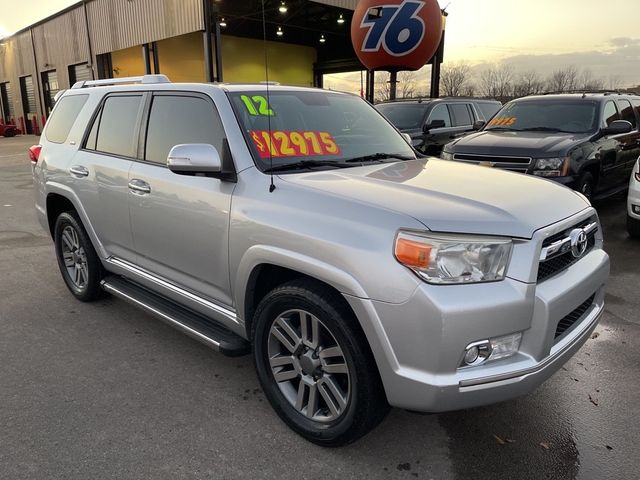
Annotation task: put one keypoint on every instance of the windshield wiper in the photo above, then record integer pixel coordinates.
(306, 165)
(543, 129)
(379, 157)
(502, 129)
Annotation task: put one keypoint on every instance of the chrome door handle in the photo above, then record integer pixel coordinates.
(139, 187)
(79, 171)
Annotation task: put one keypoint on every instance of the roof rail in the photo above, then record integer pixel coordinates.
(584, 91)
(144, 79)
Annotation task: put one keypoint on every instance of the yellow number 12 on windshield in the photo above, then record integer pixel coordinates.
(257, 105)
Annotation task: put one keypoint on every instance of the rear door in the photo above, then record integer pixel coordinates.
(181, 223)
(100, 171)
(462, 117)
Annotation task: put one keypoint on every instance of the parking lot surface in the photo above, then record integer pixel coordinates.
(102, 390)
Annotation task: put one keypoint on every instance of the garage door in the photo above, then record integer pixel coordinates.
(79, 73)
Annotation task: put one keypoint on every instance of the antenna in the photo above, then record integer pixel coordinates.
(272, 186)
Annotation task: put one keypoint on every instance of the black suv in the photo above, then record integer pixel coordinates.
(432, 123)
(587, 141)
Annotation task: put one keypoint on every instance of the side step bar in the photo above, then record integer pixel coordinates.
(193, 324)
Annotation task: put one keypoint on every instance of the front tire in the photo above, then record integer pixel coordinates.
(586, 185)
(315, 366)
(77, 259)
(633, 227)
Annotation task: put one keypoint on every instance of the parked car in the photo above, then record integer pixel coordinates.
(587, 141)
(299, 222)
(432, 123)
(9, 130)
(633, 202)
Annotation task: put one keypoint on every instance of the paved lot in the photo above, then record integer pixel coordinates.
(104, 391)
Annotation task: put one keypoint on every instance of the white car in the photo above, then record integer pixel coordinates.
(633, 202)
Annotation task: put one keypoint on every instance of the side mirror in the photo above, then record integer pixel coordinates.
(617, 127)
(433, 125)
(194, 158)
(478, 124)
(407, 138)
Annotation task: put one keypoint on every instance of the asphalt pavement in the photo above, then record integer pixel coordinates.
(104, 391)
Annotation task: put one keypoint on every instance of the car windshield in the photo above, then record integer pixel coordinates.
(315, 129)
(405, 116)
(578, 116)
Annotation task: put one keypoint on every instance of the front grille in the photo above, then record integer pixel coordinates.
(567, 322)
(555, 265)
(515, 164)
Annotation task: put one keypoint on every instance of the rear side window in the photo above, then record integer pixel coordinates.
(627, 112)
(440, 112)
(114, 128)
(460, 113)
(488, 109)
(175, 120)
(63, 117)
(609, 114)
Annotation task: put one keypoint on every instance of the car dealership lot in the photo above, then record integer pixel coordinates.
(105, 391)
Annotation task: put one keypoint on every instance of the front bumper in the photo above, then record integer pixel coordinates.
(418, 345)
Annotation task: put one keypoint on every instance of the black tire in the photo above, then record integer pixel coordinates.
(633, 227)
(89, 289)
(9, 132)
(586, 185)
(366, 406)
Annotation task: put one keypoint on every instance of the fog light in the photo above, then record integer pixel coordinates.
(636, 209)
(503, 347)
(476, 353)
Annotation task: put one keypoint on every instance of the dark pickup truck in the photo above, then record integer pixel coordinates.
(587, 141)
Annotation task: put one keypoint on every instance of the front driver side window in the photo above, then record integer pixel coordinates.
(440, 112)
(178, 119)
(609, 114)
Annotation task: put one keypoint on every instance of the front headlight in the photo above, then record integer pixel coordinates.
(551, 167)
(451, 259)
(446, 155)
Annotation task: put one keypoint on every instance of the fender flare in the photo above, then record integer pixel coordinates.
(262, 254)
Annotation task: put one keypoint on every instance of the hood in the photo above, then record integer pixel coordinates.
(452, 197)
(525, 144)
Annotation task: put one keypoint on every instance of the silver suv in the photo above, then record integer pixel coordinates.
(299, 225)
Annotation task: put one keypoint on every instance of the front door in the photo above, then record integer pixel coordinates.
(437, 138)
(180, 223)
(630, 143)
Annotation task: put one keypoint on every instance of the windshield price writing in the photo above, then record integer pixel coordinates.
(294, 144)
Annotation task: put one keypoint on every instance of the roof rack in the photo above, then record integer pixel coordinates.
(586, 91)
(144, 79)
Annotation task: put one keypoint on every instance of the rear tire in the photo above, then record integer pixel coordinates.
(633, 226)
(77, 259)
(10, 132)
(328, 388)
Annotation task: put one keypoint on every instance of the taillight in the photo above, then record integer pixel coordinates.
(34, 153)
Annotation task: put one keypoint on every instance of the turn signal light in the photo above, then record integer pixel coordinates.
(412, 254)
(34, 153)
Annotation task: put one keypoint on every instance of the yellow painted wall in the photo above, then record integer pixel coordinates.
(127, 62)
(182, 60)
(243, 61)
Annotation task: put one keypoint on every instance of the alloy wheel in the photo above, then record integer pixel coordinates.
(309, 366)
(75, 258)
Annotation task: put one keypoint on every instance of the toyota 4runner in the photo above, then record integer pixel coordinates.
(299, 225)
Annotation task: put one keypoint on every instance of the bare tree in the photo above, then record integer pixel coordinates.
(563, 79)
(528, 83)
(615, 82)
(588, 82)
(455, 78)
(407, 86)
(497, 82)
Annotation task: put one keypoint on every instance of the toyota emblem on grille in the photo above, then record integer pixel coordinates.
(579, 242)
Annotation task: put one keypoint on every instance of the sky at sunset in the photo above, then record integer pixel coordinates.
(531, 34)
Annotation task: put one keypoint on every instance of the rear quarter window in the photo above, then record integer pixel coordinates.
(63, 117)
